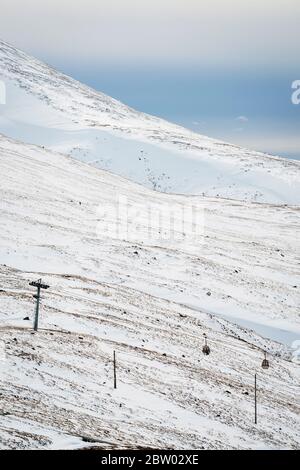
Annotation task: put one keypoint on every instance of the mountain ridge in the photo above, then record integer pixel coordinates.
(48, 108)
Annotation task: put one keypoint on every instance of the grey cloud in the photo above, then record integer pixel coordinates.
(217, 32)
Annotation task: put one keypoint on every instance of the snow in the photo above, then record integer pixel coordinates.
(271, 332)
(52, 439)
(47, 108)
(148, 301)
(150, 236)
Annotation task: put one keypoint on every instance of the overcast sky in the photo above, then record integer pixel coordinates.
(222, 67)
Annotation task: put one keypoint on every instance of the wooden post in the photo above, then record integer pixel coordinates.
(115, 371)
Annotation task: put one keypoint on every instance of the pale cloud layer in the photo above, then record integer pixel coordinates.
(172, 32)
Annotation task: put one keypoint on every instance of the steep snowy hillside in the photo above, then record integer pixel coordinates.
(150, 298)
(50, 109)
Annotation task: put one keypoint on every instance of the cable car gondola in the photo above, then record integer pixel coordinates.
(265, 363)
(206, 348)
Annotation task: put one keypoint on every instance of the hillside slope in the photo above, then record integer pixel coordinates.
(150, 299)
(48, 108)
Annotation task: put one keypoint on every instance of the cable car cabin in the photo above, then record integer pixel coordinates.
(265, 363)
(206, 350)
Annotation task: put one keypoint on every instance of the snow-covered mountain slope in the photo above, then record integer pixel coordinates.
(50, 109)
(151, 300)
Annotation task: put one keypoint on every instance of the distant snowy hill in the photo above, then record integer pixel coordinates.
(48, 108)
(149, 300)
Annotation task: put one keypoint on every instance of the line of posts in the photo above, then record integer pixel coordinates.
(206, 349)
